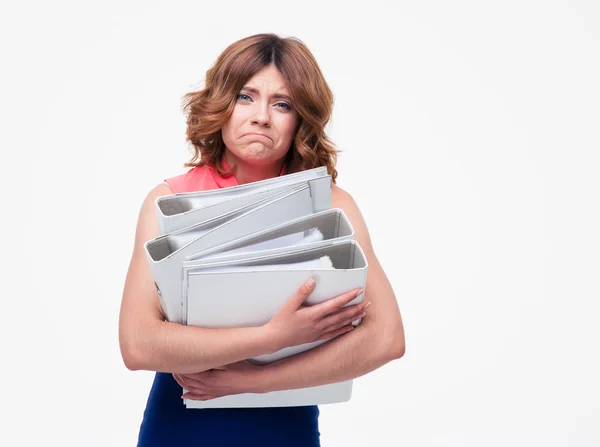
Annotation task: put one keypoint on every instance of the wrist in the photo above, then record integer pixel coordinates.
(269, 339)
(264, 379)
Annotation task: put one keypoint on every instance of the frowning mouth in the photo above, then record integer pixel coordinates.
(257, 135)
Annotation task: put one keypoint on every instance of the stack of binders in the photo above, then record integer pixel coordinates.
(231, 257)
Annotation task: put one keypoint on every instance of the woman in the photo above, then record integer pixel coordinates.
(261, 114)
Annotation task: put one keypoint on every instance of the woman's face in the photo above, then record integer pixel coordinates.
(262, 107)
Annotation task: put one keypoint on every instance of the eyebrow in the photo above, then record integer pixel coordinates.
(276, 95)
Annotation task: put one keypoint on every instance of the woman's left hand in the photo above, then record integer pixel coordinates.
(236, 378)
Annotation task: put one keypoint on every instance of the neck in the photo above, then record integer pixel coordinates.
(247, 173)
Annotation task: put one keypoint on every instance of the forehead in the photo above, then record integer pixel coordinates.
(268, 78)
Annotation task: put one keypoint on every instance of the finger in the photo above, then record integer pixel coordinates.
(191, 384)
(334, 304)
(336, 333)
(355, 311)
(198, 396)
(194, 389)
(209, 381)
(301, 294)
(182, 380)
(178, 380)
(344, 323)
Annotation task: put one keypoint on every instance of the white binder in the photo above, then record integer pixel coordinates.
(167, 252)
(248, 291)
(332, 224)
(181, 210)
(220, 248)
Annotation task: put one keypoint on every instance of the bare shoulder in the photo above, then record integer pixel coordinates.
(162, 189)
(339, 195)
(148, 211)
(139, 295)
(340, 198)
(343, 200)
(147, 225)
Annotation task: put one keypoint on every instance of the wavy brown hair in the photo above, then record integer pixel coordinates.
(207, 110)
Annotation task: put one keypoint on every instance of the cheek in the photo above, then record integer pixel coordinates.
(287, 127)
(230, 128)
(226, 133)
(238, 116)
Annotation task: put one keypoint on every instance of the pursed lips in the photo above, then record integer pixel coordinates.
(257, 135)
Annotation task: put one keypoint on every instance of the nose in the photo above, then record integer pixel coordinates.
(262, 116)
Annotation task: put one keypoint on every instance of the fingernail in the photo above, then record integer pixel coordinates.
(359, 292)
(368, 304)
(310, 282)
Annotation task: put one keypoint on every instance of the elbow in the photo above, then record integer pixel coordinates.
(397, 349)
(131, 359)
(394, 347)
(137, 342)
(132, 354)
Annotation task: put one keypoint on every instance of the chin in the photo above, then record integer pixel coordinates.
(257, 161)
(258, 156)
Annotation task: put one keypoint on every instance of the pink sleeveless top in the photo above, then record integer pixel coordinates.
(203, 178)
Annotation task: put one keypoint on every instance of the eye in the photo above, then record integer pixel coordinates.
(286, 106)
(240, 96)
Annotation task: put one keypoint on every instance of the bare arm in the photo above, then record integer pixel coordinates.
(378, 340)
(359, 352)
(149, 342)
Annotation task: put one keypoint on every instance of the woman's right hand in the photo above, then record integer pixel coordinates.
(294, 324)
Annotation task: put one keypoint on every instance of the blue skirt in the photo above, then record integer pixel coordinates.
(167, 423)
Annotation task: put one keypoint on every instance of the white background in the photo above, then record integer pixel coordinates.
(470, 137)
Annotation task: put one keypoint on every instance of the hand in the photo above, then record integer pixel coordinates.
(236, 378)
(294, 324)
